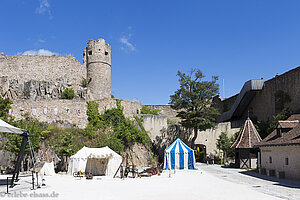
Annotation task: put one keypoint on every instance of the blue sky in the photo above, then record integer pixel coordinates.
(236, 40)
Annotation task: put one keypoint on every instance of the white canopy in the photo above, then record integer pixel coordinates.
(98, 161)
(47, 169)
(7, 128)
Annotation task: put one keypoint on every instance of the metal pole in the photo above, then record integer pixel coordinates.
(7, 185)
(15, 176)
(37, 180)
(32, 180)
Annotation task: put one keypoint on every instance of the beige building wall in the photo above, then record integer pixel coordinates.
(278, 155)
(209, 137)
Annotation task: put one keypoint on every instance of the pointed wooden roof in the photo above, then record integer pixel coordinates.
(248, 137)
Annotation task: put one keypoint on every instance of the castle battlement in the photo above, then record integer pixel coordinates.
(45, 77)
(34, 84)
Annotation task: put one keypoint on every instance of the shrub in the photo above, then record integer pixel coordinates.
(68, 94)
(171, 122)
(115, 130)
(84, 82)
(146, 110)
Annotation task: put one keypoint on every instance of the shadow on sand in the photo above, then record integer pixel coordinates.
(277, 181)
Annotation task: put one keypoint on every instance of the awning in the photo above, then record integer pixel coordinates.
(7, 128)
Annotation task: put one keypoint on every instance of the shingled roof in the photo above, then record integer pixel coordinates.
(292, 137)
(248, 137)
(287, 124)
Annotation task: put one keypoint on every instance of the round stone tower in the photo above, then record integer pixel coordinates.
(98, 63)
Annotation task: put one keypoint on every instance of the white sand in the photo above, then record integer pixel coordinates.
(190, 185)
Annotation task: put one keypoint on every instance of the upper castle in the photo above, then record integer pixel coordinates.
(45, 77)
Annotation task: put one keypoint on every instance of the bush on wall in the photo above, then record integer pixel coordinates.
(68, 94)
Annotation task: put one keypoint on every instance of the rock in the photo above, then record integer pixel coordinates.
(6, 160)
(138, 155)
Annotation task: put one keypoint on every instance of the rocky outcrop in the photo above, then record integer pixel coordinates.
(33, 89)
(138, 155)
(6, 161)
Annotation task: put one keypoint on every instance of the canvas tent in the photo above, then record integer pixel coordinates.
(47, 169)
(98, 161)
(179, 156)
(7, 128)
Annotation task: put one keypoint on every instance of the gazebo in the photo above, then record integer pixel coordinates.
(245, 153)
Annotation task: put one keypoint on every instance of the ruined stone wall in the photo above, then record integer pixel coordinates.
(167, 111)
(131, 108)
(63, 111)
(39, 77)
(67, 111)
(154, 124)
(98, 60)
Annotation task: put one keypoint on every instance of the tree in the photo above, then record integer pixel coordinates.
(224, 144)
(193, 100)
(4, 108)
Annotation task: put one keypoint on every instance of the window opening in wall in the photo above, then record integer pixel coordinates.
(270, 159)
(99, 50)
(90, 53)
(286, 161)
(106, 53)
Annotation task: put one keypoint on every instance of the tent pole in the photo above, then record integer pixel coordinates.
(25, 136)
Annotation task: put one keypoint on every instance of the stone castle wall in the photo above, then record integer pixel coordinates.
(263, 105)
(162, 135)
(35, 77)
(209, 136)
(167, 111)
(67, 111)
(97, 57)
(154, 125)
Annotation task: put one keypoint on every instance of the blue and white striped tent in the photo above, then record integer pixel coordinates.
(179, 156)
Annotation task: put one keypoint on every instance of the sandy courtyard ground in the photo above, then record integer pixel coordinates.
(207, 183)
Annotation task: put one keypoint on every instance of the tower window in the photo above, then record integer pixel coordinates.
(286, 161)
(106, 53)
(270, 159)
(90, 53)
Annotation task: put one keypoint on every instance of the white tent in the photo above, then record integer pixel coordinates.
(98, 161)
(7, 128)
(47, 169)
